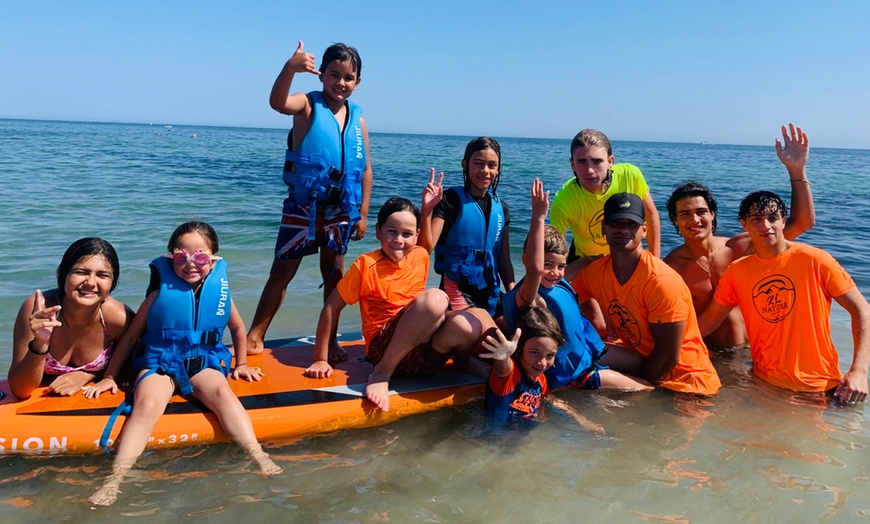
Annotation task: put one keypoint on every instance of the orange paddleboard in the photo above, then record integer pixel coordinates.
(283, 405)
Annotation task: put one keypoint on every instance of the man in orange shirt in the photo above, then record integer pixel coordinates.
(784, 291)
(647, 303)
(407, 328)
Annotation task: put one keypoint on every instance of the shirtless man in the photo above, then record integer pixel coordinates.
(703, 257)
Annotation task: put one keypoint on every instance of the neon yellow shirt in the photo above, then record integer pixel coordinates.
(576, 208)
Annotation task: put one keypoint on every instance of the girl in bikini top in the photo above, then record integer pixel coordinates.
(53, 367)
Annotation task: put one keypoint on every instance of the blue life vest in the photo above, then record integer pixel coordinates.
(183, 334)
(329, 163)
(583, 346)
(470, 254)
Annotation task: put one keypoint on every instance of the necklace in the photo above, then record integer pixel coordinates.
(700, 265)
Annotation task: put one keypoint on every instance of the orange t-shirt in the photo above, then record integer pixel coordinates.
(654, 293)
(383, 287)
(786, 303)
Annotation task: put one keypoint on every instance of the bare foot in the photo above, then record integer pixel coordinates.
(267, 465)
(337, 354)
(108, 493)
(255, 345)
(378, 391)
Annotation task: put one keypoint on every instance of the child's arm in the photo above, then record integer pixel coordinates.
(280, 99)
(500, 351)
(793, 152)
(329, 317)
(359, 228)
(584, 422)
(505, 264)
(534, 254)
(653, 226)
(430, 228)
(123, 350)
(240, 344)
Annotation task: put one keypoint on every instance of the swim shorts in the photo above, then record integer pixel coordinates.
(589, 379)
(330, 222)
(421, 360)
(462, 298)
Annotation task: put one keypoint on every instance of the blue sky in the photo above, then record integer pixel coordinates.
(723, 72)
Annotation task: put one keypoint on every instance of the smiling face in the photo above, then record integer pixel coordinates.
(89, 281)
(694, 219)
(554, 269)
(190, 271)
(591, 166)
(538, 355)
(339, 80)
(482, 170)
(398, 235)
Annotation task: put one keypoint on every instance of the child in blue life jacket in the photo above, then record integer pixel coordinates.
(468, 227)
(580, 362)
(329, 173)
(181, 325)
(518, 384)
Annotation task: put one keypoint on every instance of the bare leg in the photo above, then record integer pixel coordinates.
(332, 269)
(615, 380)
(421, 319)
(623, 360)
(461, 334)
(214, 391)
(150, 400)
(271, 299)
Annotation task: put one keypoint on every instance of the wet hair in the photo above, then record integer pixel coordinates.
(762, 201)
(342, 53)
(84, 248)
(479, 144)
(396, 205)
(591, 138)
(554, 241)
(537, 322)
(194, 226)
(691, 188)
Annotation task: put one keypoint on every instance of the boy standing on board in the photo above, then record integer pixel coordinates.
(407, 328)
(329, 173)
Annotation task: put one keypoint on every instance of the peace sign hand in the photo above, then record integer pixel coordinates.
(433, 192)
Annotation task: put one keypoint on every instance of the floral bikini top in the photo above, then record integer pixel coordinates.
(53, 367)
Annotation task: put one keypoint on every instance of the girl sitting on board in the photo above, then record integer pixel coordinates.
(468, 230)
(188, 288)
(69, 333)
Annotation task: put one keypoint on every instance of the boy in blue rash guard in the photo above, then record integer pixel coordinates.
(329, 173)
(468, 231)
(517, 384)
(181, 325)
(581, 362)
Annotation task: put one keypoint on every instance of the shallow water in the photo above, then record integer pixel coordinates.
(752, 453)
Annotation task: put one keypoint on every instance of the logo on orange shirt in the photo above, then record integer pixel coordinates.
(774, 298)
(624, 323)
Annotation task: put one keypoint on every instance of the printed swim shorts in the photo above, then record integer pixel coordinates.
(589, 379)
(421, 360)
(330, 222)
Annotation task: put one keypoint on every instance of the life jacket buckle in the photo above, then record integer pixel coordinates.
(210, 338)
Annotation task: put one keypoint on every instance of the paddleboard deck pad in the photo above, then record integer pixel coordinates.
(284, 405)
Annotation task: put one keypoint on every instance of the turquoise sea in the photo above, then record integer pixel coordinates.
(753, 453)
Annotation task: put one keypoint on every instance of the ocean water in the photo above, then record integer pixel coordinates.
(752, 453)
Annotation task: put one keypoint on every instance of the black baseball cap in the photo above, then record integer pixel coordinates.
(624, 205)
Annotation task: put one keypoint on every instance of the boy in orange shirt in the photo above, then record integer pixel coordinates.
(407, 328)
(784, 291)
